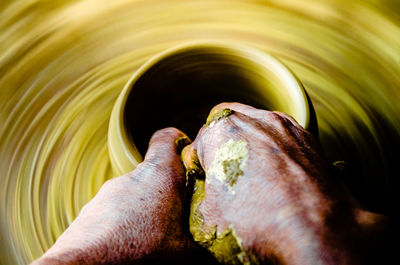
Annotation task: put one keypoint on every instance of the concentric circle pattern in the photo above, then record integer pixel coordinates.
(63, 64)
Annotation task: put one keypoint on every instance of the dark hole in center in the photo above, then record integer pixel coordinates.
(180, 90)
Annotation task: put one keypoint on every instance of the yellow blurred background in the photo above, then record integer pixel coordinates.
(64, 62)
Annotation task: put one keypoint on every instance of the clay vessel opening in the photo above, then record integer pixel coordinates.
(181, 89)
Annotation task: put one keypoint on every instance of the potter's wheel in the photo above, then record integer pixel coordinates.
(63, 64)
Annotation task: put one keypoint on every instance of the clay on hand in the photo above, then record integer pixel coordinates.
(263, 193)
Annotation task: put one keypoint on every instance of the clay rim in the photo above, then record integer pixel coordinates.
(122, 150)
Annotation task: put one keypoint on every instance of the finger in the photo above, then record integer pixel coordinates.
(191, 162)
(163, 156)
(162, 167)
(222, 125)
(239, 107)
(166, 145)
(260, 114)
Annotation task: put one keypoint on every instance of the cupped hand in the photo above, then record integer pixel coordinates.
(264, 192)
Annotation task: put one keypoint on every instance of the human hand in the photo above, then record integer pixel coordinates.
(268, 193)
(136, 218)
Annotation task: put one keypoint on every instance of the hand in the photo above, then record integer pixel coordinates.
(268, 194)
(136, 218)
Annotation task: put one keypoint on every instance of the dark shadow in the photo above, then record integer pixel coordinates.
(371, 168)
(165, 96)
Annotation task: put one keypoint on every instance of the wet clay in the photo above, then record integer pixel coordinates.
(227, 167)
(229, 162)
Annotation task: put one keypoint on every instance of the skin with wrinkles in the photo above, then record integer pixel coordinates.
(136, 218)
(285, 208)
(262, 194)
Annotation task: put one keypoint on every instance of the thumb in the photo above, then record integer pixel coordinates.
(163, 157)
(166, 145)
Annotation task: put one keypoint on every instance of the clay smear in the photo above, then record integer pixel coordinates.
(229, 162)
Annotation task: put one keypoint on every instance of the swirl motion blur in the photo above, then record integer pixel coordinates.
(64, 62)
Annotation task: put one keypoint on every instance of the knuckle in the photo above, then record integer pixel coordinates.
(278, 121)
(288, 118)
(283, 120)
(277, 116)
